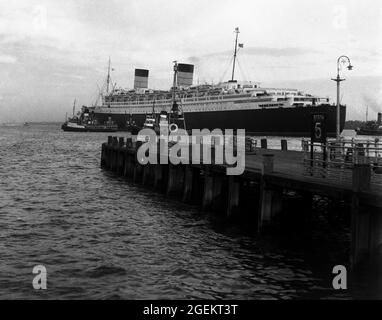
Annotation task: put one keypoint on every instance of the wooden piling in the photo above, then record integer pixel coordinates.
(158, 176)
(264, 144)
(233, 196)
(270, 205)
(148, 179)
(188, 184)
(175, 180)
(268, 163)
(284, 145)
(207, 190)
(129, 143)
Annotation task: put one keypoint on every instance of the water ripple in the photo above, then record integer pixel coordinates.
(103, 238)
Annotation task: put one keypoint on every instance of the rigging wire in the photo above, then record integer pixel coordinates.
(226, 69)
(241, 69)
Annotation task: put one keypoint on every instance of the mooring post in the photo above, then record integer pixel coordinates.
(233, 195)
(103, 155)
(264, 144)
(112, 154)
(119, 155)
(129, 143)
(114, 151)
(364, 236)
(284, 145)
(121, 142)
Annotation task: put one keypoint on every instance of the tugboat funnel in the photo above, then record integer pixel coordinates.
(185, 74)
(141, 79)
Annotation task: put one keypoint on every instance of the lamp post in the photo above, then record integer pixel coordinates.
(343, 60)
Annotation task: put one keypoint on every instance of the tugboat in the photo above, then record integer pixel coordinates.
(371, 128)
(131, 126)
(84, 122)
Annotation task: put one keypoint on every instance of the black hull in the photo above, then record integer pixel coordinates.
(292, 122)
(365, 132)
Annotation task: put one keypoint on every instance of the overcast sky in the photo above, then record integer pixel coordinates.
(54, 51)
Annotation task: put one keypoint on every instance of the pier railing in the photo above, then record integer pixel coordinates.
(335, 160)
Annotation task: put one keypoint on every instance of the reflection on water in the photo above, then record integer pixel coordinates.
(101, 237)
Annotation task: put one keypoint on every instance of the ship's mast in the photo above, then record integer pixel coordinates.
(74, 106)
(234, 54)
(108, 77)
(174, 81)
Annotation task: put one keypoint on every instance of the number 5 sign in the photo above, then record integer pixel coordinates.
(318, 128)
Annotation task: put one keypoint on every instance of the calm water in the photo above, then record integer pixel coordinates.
(101, 237)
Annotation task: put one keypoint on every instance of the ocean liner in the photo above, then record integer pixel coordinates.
(227, 105)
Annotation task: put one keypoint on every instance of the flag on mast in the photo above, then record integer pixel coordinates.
(241, 45)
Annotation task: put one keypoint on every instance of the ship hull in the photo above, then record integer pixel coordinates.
(292, 122)
(366, 132)
(67, 128)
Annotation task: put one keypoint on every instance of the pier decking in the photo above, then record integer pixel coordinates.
(267, 174)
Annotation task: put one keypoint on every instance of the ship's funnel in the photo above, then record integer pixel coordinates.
(379, 119)
(185, 74)
(141, 78)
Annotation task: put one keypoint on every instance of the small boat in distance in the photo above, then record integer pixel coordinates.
(85, 122)
(371, 128)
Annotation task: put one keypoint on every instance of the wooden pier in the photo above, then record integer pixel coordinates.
(259, 190)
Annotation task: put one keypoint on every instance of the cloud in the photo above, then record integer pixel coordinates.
(56, 50)
(260, 51)
(278, 52)
(7, 59)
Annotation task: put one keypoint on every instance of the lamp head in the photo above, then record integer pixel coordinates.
(350, 67)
